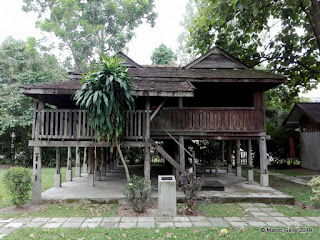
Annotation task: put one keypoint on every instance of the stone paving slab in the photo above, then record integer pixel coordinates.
(238, 224)
(146, 224)
(233, 219)
(274, 224)
(259, 214)
(181, 219)
(52, 225)
(146, 219)
(202, 224)
(111, 219)
(257, 224)
(57, 220)
(71, 225)
(275, 214)
(127, 224)
(76, 219)
(34, 224)
(6, 220)
(110, 225)
(183, 224)
(90, 224)
(14, 225)
(165, 224)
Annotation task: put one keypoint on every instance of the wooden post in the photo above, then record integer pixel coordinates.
(182, 158)
(69, 166)
(176, 171)
(103, 162)
(194, 170)
(229, 156)
(264, 176)
(238, 160)
(97, 172)
(36, 186)
(85, 160)
(107, 156)
(57, 175)
(147, 156)
(91, 167)
(78, 167)
(249, 160)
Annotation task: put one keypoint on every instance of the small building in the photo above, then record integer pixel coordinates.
(306, 118)
(214, 97)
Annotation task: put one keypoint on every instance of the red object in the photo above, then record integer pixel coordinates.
(292, 150)
(154, 107)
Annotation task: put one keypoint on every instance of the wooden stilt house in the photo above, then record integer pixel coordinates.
(214, 97)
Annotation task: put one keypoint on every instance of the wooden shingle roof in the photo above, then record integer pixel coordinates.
(311, 110)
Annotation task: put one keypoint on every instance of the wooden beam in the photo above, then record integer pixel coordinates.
(39, 143)
(169, 158)
(158, 109)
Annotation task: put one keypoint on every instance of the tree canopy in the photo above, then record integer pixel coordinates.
(22, 63)
(87, 28)
(163, 55)
(283, 34)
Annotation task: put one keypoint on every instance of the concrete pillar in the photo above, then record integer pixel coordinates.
(249, 159)
(91, 167)
(69, 166)
(78, 167)
(238, 160)
(264, 176)
(85, 160)
(97, 172)
(57, 175)
(36, 186)
(147, 155)
(229, 156)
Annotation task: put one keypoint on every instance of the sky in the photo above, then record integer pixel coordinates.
(20, 25)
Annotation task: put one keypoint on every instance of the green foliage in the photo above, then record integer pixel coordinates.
(18, 183)
(22, 63)
(87, 28)
(191, 185)
(163, 55)
(284, 34)
(105, 93)
(137, 192)
(314, 183)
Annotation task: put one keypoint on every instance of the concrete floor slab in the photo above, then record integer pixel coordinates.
(109, 189)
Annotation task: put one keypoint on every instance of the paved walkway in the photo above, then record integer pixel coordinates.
(290, 178)
(262, 216)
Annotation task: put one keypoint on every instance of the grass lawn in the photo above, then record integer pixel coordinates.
(69, 210)
(223, 210)
(295, 172)
(161, 233)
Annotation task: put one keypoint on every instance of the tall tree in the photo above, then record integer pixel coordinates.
(186, 55)
(22, 63)
(284, 34)
(105, 93)
(87, 28)
(163, 55)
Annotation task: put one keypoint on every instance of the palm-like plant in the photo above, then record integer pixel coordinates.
(105, 93)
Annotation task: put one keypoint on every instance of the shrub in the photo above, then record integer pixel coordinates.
(191, 185)
(18, 183)
(137, 193)
(314, 183)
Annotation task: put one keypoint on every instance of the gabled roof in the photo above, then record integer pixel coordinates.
(310, 110)
(128, 61)
(216, 58)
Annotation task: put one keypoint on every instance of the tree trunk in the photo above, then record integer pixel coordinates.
(122, 159)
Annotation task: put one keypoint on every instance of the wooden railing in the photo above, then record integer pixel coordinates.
(67, 124)
(209, 119)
